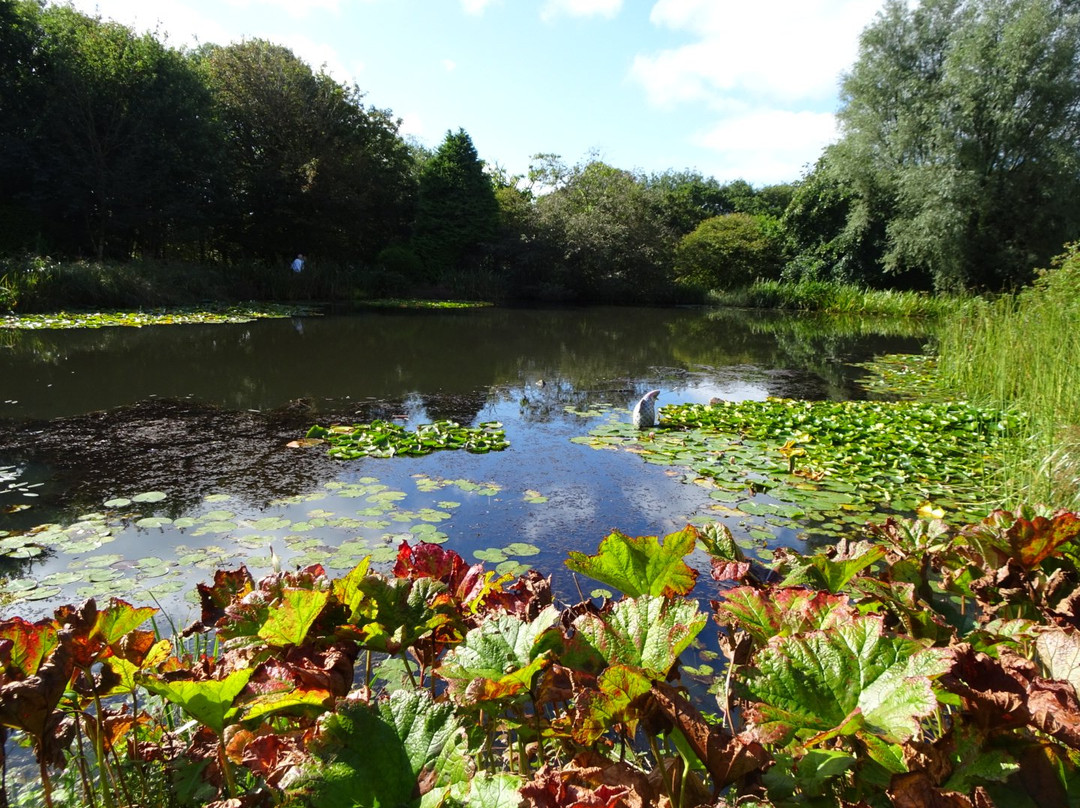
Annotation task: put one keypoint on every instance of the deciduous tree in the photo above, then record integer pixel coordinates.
(961, 138)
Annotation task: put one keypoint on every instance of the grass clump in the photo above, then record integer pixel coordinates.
(835, 298)
(1020, 351)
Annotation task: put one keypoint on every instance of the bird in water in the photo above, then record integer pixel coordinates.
(644, 416)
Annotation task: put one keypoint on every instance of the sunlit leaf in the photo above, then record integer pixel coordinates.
(208, 701)
(291, 618)
(645, 632)
(642, 565)
(852, 678)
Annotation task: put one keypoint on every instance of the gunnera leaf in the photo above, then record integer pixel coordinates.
(498, 658)
(854, 678)
(642, 565)
(367, 756)
(646, 632)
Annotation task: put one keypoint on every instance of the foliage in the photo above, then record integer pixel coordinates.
(310, 169)
(115, 148)
(607, 233)
(386, 439)
(729, 251)
(137, 319)
(457, 213)
(938, 667)
(1019, 351)
(826, 463)
(837, 298)
(958, 158)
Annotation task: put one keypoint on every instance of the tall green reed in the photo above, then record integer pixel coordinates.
(1023, 352)
(836, 298)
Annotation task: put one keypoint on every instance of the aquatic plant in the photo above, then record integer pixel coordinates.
(827, 465)
(155, 316)
(912, 663)
(387, 439)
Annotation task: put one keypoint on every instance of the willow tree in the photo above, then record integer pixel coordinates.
(960, 147)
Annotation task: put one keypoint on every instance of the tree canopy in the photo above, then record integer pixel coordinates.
(960, 148)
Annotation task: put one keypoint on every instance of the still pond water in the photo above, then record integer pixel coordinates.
(159, 453)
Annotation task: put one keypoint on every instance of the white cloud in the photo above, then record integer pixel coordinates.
(776, 49)
(449, 65)
(768, 145)
(580, 8)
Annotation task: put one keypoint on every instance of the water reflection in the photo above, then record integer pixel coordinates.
(204, 413)
(454, 361)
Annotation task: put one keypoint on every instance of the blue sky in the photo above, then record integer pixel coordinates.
(732, 89)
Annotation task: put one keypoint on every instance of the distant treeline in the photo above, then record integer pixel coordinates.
(958, 167)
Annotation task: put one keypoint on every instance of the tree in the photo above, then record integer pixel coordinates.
(729, 251)
(960, 142)
(118, 148)
(611, 234)
(309, 167)
(457, 212)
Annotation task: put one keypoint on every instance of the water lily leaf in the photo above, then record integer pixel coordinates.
(153, 521)
(853, 678)
(208, 701)
(642, 565)
(511, 568)
(149, 496)
(646, 632)
(519, 548)
(492, 555)
(118, 502)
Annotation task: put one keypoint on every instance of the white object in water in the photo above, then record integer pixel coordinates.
(644, 416)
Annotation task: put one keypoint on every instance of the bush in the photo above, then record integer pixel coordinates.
(729, 251)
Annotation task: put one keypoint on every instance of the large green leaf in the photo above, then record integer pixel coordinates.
(498, 658)
(208, 701)
(851, 679)
(645, 632)
(289, 621)
(642, 565)
(370, 756)
(395, 614)
(780, 612)
(482, 790)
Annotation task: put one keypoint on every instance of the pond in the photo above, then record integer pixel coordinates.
(154, 455)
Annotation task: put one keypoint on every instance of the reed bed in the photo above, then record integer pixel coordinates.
(1022, 352)
(836, 298)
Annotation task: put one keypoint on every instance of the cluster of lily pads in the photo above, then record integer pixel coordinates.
(387, 439)
(219, 534)
(156, 316)
(825, 464)
(903, 376)
(417, 303)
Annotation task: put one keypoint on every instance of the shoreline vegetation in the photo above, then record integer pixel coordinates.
(1013, 352)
